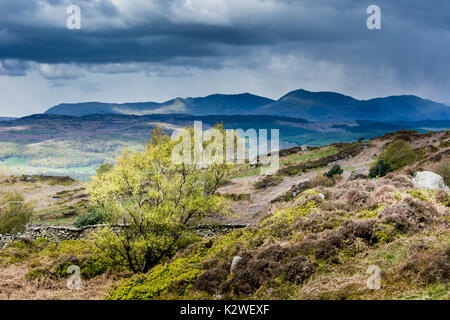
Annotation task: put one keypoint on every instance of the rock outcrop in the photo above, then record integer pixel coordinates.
(429, 180)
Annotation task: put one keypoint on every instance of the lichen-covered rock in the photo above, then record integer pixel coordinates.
(429, 180)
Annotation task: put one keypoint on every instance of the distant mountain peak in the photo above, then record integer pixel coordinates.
(331, 106)
(320, 106)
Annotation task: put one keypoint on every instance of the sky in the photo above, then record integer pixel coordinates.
(156, 50)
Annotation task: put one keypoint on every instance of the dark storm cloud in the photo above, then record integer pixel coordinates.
(414, 42)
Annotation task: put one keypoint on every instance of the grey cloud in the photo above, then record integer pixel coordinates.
(413, 45)
(60, 71)
(13, 68)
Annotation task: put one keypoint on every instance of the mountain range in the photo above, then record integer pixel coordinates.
(312, 106)
(217, 104)
(6, 118)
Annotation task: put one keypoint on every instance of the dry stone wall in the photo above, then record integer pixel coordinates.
(58, 234)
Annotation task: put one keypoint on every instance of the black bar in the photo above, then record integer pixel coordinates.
(167, 310)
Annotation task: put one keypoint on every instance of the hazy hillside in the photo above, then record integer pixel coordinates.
(331, 106)
(215, 104)
(6, 118)
(312, 106)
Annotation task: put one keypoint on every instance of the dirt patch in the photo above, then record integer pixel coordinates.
(247, 212)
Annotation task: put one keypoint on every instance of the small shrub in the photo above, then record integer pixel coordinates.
(444, 171)
(410, 215)
(430, 267)
(399, 154)
(50, 260)
(211, 280)
(401, 181)
(443, 197)
(322, 181)
(356, 197)
(438, 269)
(92, 218)
(434, 149)
(380, 169)
(160, 281)
(89, 267)
(15, 214)
(336, 170)
(249, 276)
(268, 181)
(104, 168)
(237, 196)
(297, 270)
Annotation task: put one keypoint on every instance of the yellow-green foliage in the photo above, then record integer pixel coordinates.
(52, 259)
(399, 154)
(46, 259)
(383, 236)
(174, 279)
(290, 214)
(19, 251)
(419, 194)
(159, 282)
(157, 198)
(370, 213)
(14, 213)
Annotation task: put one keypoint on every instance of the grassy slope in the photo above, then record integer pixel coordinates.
(311, 250)
(315, 248)
(56, 201)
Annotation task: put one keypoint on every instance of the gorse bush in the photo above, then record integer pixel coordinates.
(92, 218)
(14, 213)
(399, 154)
(380, 169)
(157, 199)
(336, 170)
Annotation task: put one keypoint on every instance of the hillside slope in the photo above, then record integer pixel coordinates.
(321, 242)
(316, 243)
